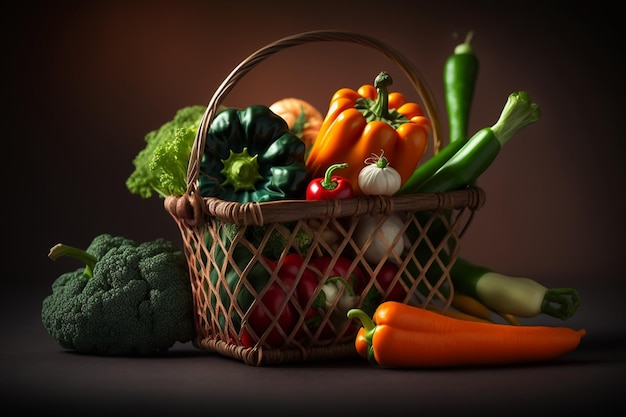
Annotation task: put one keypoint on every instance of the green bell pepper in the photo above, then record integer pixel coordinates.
(250, 155)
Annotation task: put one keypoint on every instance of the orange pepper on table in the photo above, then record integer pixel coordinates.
(401, 335)
(366, 122)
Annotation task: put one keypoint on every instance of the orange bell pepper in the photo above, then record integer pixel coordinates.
(366, 122)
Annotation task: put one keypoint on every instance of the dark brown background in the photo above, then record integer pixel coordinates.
(85, 81)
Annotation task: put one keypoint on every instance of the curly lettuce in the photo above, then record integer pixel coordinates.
(161, 167)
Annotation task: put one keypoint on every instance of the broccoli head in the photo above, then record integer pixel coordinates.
(131, 299)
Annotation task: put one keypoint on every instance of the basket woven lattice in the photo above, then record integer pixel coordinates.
(225, 263)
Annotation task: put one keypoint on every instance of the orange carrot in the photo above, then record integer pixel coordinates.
(456, 314)
(406, 336)
(471, 305)
(511, 319)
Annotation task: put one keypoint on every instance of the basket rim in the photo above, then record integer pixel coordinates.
(193, 208)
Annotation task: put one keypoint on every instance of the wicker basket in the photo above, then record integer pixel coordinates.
(221, 279)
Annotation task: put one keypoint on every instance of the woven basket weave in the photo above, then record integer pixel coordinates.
(220, 319)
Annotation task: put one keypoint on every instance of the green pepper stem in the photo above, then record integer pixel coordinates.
(465, 47)
(519, 111)
(370, 328)
(366, 321)
(241, 170)
(381, 105)
(379, 109)
(561, 303)
(328, 183)
(61, 249)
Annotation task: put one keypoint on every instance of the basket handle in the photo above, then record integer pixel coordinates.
(294, 40)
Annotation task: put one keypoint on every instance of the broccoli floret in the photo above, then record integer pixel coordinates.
(161, 167)
(278, 239)
(129, 299)
(101, 244)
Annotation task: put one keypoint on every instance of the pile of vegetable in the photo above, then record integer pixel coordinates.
(371, 142)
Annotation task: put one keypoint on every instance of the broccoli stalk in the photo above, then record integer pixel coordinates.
(129, 299)
(61, 249)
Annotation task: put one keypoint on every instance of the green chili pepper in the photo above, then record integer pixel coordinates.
(429, 167)
(250, 155)
(465, 166)
(459, 76)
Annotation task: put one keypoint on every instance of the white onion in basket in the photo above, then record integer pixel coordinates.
(382, 238)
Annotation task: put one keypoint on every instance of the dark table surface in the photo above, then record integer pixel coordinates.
(38, 375)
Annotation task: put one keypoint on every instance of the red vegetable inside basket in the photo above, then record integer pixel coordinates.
(305, 299)
(267, 309)
(392, 290)
(292, 266)
(290, 272)
(341, 267)
(330, 187)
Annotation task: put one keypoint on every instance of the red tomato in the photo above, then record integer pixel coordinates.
(306, 285)
(261, 318)
(304, 292)
(385, 278)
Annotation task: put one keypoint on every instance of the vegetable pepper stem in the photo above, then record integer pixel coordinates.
(381, 106)
(560, 302)
(465, 47)
(370, 328)
(366, 321)
(519, 111)
(379, 109)
(241, 170)
(328, 183)
(61, 249)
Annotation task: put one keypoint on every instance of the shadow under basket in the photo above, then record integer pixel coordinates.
(248, 305)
